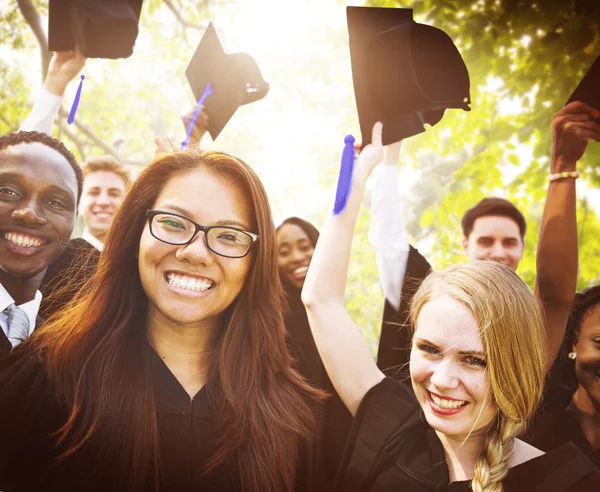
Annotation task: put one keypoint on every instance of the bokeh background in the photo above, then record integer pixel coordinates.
(525, 57)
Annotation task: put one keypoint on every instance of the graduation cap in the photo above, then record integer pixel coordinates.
(100, 28)
(588, 90)
(235, 80)
(405, 74)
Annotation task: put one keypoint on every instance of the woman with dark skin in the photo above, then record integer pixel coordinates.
(169, 371)
(296, 241)
(572, 412)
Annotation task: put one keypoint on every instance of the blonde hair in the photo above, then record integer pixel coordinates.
(106, 163)
(512, 330)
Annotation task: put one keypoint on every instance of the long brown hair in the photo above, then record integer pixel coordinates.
(100, 362)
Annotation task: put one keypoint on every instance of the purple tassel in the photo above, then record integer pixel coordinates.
(345, 179)
(208, 90)
(71, 117)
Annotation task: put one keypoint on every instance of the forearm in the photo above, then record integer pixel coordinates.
(326, 278)
(343, 351)
(557, 256)
(44, 112)
(387, 233)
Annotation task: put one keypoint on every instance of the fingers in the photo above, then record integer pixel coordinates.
(580, 107)
(377, 133)
(588, 125)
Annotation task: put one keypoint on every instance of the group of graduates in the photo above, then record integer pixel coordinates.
(185, 343)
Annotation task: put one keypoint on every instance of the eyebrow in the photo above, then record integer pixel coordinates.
(225, 222)
(51, 188)
(461, 352)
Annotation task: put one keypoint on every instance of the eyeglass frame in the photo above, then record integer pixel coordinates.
(150, 214)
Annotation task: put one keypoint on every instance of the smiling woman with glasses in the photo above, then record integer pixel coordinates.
(170, 370)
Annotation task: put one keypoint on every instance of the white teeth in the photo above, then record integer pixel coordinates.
(20, 240)
(443, 403)
(188, 283)
(300, 270)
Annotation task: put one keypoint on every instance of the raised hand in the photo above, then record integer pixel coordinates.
(64, 67)
(572, 128)
(370, 155)
(200, 126)
(163, 146)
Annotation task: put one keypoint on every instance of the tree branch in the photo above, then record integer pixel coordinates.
(32, 17)
(73, 138)
(185, 23)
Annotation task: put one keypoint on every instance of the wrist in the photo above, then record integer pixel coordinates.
(563, 164)
(55, 86)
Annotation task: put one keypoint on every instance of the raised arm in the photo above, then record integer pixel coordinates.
(387, 233)
(345, 355)
(64, 67)
(557, 252)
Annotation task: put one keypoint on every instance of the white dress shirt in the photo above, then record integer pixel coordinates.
(387, 233)
(30, 308)
(96, 243)
(44, 112)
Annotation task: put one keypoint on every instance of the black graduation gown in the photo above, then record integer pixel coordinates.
(556, 422)
(67, 274)
(320, 459)
(30, 412)
(393, 354)
(391, 448)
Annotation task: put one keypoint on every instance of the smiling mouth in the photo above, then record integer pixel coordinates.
(446, 404)
(24, 240)
(186, 282)
(300, 271)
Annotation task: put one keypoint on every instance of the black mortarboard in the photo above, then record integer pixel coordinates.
(405, 74)
(100, 28)
(588, 90)
(235, 79)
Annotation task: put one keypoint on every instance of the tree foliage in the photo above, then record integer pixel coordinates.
(525, 57)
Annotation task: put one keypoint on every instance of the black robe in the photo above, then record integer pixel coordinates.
(30, 412)
(391, 448)
(67, 274)
(393, 354)
(320, 461)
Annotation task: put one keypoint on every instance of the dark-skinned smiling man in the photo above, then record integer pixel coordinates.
(40, 186)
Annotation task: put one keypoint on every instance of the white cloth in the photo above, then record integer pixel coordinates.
(44, 112)
(96, 243)
(387, 233)
(31, 309)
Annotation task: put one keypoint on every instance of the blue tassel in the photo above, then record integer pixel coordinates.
(71, 117)
(208, 90)
(345, 179)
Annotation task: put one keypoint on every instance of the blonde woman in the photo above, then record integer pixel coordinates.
(477, 372)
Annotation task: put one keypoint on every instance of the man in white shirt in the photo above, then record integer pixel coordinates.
(40, 186)
(493, 229)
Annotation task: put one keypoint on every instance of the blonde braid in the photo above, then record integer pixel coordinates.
(492, 466)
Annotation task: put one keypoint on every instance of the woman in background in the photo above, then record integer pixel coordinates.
(296, 242)
(572, 408)
(170, 369)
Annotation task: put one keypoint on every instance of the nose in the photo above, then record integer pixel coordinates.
(196, 252)
(30, 216)
(498, 252)
(103, 199)
(444, 375)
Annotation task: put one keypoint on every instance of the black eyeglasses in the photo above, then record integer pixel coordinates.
(178, 230)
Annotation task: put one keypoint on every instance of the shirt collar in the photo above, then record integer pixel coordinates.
(96, 243)
(30, 308)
